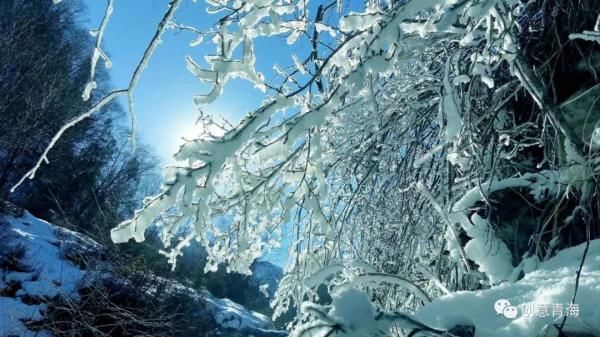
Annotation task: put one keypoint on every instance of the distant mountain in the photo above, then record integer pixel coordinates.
(266, 273)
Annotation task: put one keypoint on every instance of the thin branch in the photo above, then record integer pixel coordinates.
(156, 39)
(44, 156)
(98, 52)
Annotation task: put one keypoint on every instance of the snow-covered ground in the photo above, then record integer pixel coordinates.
(542, 297)
(45, 272)
(232, 315)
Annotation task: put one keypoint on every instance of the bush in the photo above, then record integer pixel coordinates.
(105, 307)
(138, 305)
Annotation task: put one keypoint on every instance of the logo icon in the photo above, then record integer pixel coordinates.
(510, 312)
(504, 308)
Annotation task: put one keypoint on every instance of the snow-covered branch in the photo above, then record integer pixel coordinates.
(156, 39)
(98, 53)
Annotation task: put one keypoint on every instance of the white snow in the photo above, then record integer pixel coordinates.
(489, 252)
(353, 307)
(12, 310)
(551, 284)
(50, 274)
(263, 288)
(232, 315)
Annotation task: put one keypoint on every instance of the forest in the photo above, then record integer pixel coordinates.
(423, 167)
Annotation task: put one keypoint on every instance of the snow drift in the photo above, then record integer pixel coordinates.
(542, 298)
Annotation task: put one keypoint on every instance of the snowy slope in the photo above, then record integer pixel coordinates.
(540, 298)
(44, 272)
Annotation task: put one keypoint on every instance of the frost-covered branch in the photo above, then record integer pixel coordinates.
(444, 96)
(156, 39)
(352, 314)
(44, 157)
(98, 52)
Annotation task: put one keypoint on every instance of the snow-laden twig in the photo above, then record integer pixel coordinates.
(588, 35)
(139, 69)
(98, 52)
(380, 278)
(156, 39)
(582, 262)
(420, 268)
(526, 75)
(44, 156)
(436, 205)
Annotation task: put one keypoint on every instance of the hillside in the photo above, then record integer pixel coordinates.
(43, 264)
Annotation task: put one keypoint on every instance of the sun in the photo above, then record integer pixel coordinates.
(198, 131)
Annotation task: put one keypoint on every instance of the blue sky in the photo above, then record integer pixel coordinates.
(163, 99)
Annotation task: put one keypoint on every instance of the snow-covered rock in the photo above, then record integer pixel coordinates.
(41, 268)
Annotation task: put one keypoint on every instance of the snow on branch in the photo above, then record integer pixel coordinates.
(352, 314)
(296, 160)
(98, 52)
(491, 254)
(370, 104)
(588, 35)
(44, 157)
(156, 39)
